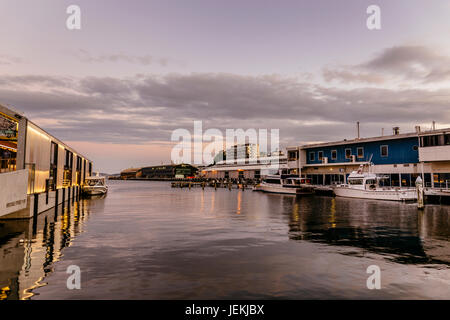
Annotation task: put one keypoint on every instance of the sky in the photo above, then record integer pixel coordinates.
(137, 70)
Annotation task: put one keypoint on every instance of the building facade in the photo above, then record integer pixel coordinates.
(256, 169)
(401, 157)
(37, 170)
(168, 171)
(240, 153)
(130, 173)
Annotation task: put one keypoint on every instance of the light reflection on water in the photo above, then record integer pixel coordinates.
(30, 248)
(148, 241)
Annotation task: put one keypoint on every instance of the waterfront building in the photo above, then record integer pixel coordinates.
(37, 171)
(257, 169)
(241, 153)
(168, 171)
(401, 157)
(130, 173)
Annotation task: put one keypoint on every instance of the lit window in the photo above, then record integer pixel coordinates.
(360, 151)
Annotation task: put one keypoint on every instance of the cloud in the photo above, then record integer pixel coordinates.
(144, 60)
(148, 108)
(9, 60)
(350, 76)
(416, 64)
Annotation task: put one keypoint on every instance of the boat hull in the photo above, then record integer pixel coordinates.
(391, 195)
(283, 190)
(95, 191)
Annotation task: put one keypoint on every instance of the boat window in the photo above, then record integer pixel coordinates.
(273, 181)
(92, 182)
(370, 181)
(311, 156)
(355, 181)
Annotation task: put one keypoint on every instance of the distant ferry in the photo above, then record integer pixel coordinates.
(366, 185)
(285, 184)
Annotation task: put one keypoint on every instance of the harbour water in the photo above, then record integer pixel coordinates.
(145, 240)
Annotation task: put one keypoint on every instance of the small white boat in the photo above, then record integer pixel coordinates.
(285, 185)
(95, 186)
(366, 185)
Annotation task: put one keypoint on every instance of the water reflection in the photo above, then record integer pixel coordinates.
(149, 241)
(30, 247)
(397, 231)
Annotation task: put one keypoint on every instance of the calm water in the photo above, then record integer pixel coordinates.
(148, 241)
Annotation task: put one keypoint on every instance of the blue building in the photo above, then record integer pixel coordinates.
(402, 157)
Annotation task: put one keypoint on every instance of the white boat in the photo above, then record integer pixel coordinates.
(95, 186)
(285, 185)
(366, 185)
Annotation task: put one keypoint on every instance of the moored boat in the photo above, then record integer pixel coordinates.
(95, 186)
(366, 185)
(285, 185)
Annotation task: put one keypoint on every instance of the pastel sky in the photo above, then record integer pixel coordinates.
(138, 69)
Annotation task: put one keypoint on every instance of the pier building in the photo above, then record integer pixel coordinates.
(168, 171)
(245, 169)
(37, 171)
(130, 173)
(401, 157)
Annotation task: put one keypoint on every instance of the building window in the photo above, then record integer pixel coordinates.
(292, 155)
(320, 155)
(348, 153)
(311, 156)
(360, 152)
(333, 154)
(447, 139)
(384, 151)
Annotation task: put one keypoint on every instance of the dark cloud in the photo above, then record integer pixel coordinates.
(148, 107)
(411, 63)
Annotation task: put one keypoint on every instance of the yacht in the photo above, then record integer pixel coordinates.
(95, 186)
(368, 185)
(285, 184)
